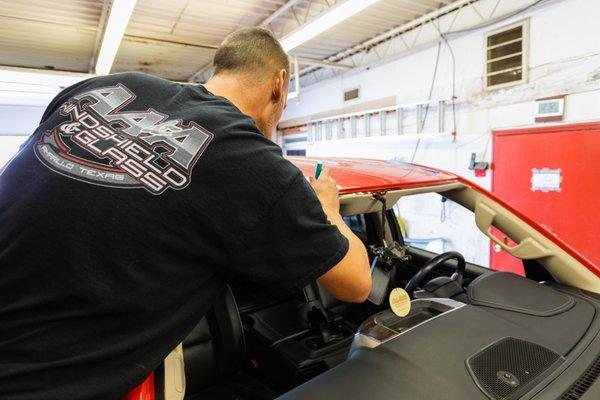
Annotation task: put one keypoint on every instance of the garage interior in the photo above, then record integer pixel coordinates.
(503, 93)
(397, 80)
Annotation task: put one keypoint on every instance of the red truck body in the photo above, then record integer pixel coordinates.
(361, 175)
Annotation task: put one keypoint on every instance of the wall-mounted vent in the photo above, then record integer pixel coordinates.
(506, 56)
(351, 94)
(585, 381)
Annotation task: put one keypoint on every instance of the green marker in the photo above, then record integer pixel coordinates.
(318, 170)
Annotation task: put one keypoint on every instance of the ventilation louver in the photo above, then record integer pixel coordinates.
(584, 382)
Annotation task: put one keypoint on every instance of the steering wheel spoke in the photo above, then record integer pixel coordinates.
(457, 276)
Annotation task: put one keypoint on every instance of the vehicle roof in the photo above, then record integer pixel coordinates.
(361, 175)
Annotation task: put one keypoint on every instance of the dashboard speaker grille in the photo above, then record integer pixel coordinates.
(585, 381)
(508, 368)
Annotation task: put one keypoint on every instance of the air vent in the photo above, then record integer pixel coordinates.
(584, 382)
(506, 56)
(351, 94)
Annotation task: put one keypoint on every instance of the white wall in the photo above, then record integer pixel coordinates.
(16, 123)
(18, 120)
(23, 99)
(564, 58)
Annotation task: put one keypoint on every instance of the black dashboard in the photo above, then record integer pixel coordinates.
(515, 339)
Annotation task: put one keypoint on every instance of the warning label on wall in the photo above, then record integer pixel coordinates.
(546, 179)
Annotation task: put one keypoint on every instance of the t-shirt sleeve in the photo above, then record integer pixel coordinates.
(292, 245)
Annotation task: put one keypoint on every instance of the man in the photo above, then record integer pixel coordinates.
(131, 206)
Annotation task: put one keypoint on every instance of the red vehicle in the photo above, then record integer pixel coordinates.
(471, 333)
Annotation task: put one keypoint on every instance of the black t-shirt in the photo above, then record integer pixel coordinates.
(121, 217)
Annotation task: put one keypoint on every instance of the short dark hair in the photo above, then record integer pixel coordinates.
(251, 50)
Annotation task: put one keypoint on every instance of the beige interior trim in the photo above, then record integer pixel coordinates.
(363, 203)
(175, 375)
(531, 244)
(527, 249)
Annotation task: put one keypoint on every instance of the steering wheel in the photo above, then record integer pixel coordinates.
(457, 277)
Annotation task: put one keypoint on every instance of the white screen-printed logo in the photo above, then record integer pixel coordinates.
(103, 145)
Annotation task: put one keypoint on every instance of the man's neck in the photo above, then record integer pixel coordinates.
(233, 89)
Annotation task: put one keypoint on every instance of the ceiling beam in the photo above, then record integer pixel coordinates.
(280, 11)
(383, 37)
(150, 40)
(453, 20)
(419, 4)
(318, 25)
(276, 14)
(403, 28)
(322, 63)
(118, 18)
(99, 35)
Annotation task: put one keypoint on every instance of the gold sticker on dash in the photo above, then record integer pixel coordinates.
(400, 302)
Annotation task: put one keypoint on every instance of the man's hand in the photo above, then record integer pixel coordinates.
(350, 279)
(327, 192)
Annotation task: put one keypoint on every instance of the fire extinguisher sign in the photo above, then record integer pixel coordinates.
(546, 180)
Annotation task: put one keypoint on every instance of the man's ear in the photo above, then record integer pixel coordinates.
(280, 85)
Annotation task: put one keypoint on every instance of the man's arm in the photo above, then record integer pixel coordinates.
(350, 279)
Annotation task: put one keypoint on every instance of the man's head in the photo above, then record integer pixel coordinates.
(252, 68)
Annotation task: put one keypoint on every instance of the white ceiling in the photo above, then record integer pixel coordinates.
(176, 38)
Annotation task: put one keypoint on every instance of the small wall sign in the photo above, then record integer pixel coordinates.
(550, 109)
(546, 180)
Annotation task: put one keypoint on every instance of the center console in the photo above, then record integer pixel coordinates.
(386, 325)
(289, 349)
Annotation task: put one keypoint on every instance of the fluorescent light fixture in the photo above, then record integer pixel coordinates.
(120, 13)
(29, 87)
(40, 79)
(323, 22)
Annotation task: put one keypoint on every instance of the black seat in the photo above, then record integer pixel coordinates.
(329, 302)
(317, 296)
(213, 354)
(215, 347)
